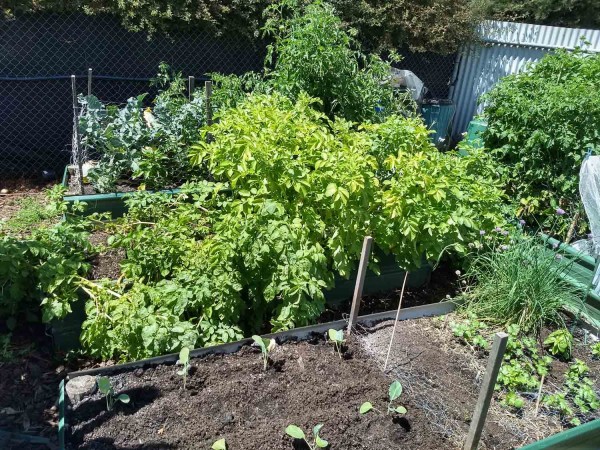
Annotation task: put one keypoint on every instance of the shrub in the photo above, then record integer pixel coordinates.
(519, 283)
(540, 125)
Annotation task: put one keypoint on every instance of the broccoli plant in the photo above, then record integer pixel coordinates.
(394, 393)
(559, 343)
(184, 360)
(107, 390)
(337, 337)
(265, 345)
(297, 433)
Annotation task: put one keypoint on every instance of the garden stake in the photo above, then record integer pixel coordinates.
(539, 397)
(395, 322)
(191, 87)
(360, 281)
(89, 81)
(208, 89)
(76, 134)
(486, 391)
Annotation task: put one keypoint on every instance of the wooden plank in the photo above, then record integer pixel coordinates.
(486, 391)
(360, 281)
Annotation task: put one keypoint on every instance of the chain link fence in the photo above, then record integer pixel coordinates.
(40, 52)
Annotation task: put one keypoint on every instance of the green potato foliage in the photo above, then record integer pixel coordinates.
(560, 343)
(541, 123)
(293, 195)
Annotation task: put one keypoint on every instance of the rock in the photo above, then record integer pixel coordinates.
(4, 191)
(79, 387)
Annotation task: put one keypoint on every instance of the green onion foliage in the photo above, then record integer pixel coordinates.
(520, 283)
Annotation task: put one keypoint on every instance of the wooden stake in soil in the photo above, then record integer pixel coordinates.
(208, 89)
(89, 81)
(76, 140)
(539, 396)
(191, 87)
(396, 322)
(486, 391)
(360, 281)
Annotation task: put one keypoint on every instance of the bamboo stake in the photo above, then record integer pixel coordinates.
(486, 391)
(539, 396)
(360, 281)
(76, 131)
(395, 322)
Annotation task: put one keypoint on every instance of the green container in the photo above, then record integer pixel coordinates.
(65, 332)
(114, 202)
(583, 437)
(391, 277)
(475, 131)
(438, 118)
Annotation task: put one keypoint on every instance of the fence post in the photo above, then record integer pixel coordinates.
(486, 391)
(89, 81)
(208, 89)
(191, 87)
(76, 141)
(360, 281)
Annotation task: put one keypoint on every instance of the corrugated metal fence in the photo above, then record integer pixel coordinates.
(506, 48)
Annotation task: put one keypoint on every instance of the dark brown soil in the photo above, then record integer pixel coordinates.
(231, 397)
(29, 388)
(107, 263)
(443, 283)
(443, 375)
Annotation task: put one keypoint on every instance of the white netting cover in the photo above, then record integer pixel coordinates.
(589, 189)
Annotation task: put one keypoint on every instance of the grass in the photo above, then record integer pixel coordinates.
(519, 284)
(32, 212)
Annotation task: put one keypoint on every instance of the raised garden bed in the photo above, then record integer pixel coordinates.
(113, 202)
(228, 395)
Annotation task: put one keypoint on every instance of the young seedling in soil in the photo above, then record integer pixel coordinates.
(337, 337)
(219, 445)
(106, 388)
(394, 393)
(297, 433)
(184, 360)
(265, 345)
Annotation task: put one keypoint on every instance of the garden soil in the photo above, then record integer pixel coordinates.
(231, 397)
(442, 377)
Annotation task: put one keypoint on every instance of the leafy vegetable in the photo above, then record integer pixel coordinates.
(337, 337)
(560, 343)
(297, 433)
(265, 345)
(184, 360)
(105, 387)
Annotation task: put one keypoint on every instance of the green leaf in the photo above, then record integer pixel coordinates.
(395, 390)
(321, 443)
(331, 190)
(104, 385)
(365, 407)
(260, 342)
(400, 409)
(184, 355)
(123, 398)
(219, 445)
(295, 432)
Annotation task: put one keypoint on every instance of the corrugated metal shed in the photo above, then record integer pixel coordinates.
(506, 48)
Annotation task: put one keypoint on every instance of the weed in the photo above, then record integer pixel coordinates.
(560, 343)
(297, 433)
(470, 331)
